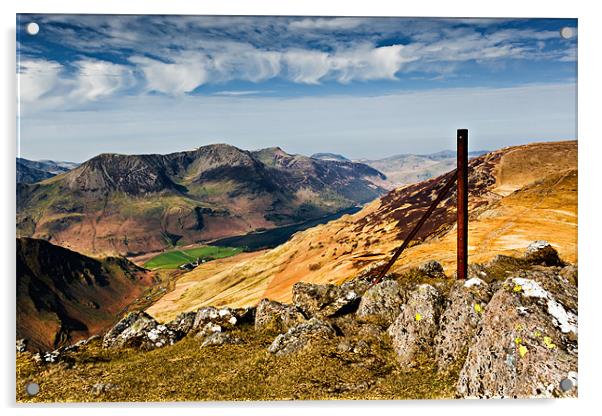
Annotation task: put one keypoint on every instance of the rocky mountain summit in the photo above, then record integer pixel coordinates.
(508, 331)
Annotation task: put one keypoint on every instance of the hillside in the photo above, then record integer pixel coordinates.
(416, 335)
(517, 194)
(132, 204)
(406, 169)
(63, 296)
(29, 171)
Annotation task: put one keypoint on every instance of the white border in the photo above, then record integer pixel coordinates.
(590, 152)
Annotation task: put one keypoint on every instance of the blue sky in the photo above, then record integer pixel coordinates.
(364, 87)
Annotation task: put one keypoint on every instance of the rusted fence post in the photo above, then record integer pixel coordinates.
(462, 204)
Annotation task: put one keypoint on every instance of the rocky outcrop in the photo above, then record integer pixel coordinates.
(526, 344)
(504, 337)
(433, 269)
(208, 330)
(182, 324)
(61, 354)
(140, 330)
(220, 338)
(382, 302)
(21, 345)
(541, 252)
(323, 300)
(465, 306)
(223, 317)
(301, 336)
(276, 317)
(415, 327)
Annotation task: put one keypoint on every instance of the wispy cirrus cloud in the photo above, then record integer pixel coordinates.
(176, 55)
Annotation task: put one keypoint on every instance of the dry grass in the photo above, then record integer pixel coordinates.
(184, 372)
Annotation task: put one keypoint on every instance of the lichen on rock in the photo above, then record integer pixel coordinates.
(301, 336)
(138, 329)
(276, 317)
(415, 327)
(323, 300)
(520, 349)
(382, 302)
(466, 304)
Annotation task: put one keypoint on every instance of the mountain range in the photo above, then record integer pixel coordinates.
(130, 204)
(406, 169)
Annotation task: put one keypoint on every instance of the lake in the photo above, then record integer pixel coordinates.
(276, 236)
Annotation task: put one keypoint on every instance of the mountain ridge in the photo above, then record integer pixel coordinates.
(138, 203)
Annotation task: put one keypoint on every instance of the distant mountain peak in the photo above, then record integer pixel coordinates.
(30, 171)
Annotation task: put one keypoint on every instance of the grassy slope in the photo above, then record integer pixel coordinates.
(173, 259)
(232, 372)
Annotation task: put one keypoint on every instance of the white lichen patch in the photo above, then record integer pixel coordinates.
(530, 288)
(565, 320)
(351, 295)
(474, 281)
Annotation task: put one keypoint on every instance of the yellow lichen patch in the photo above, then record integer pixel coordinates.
(548, 343)
(518, 340)
(478, 308)
(522, 350)
(537, 334)
(518, 327)
(418, 317)
(517, 288)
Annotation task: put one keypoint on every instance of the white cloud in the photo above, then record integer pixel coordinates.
(244, 62)
(368, 63)
(98, 79)
(339, 23)
(184, 75)
(37, 77)
(306, 66)
(46, 84)
(176, 55)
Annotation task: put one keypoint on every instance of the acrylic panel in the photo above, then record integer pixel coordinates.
(228, 208)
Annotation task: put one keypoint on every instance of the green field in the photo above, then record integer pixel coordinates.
(174, 259)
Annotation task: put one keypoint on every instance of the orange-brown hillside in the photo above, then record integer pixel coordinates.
(517, 195)
(64, 296)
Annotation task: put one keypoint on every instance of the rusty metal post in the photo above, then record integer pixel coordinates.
(462, 204)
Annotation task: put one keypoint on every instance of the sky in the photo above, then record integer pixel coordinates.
(362, 87)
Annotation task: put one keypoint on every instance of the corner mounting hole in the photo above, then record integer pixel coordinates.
(566, 384)
(566, 33)
(32, 28)
(32, 389)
